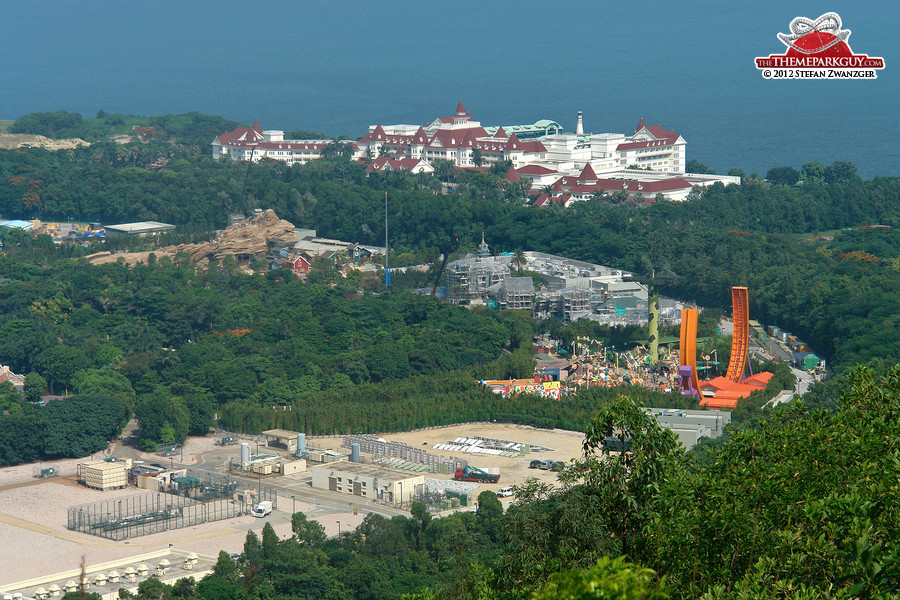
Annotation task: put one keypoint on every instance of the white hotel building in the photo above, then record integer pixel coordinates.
(609, 162)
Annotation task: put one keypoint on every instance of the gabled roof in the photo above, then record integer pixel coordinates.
(383, 163)
(641, 125)
(657, 131)
(376, 135)
(760, 379)
(535, 170)
(570, 184)
(500, 133)
(542, 200)
(420, 137)
(242, 136)
(587, 174)
(457, 138)
(511, 175)
(533, 146)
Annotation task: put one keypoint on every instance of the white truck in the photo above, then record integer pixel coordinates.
(262, 509)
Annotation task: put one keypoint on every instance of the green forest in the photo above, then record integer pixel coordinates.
(794, 503)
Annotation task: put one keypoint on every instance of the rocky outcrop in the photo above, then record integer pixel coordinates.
(247, 239)
(10, 141)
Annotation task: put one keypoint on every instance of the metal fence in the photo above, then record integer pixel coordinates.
(145, 514)
(381, 450)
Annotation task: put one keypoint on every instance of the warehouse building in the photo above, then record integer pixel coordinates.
(141, 228)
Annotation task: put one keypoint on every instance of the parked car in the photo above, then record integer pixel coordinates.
(547, 465)
(505, 492)
(558, 466)
(535, 464)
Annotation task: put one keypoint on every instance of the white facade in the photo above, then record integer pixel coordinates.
(255, 144)
(462, 140)
(368, 481)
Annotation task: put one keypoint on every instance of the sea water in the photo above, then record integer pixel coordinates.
(339, 66)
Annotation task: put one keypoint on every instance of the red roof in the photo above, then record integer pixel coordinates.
(376, 135)
(656, 131)
(641, 124)
(534, 170)
(511, 175)
(760, 379)
(542, 200)
(383, 163)
(587, 174)
(457, 138)
(728, 393)
(460, 109)
(242, 136)
(500, 133)
(420, 137)
(576, 186)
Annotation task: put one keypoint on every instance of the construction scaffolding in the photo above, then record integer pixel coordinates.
(469, 278)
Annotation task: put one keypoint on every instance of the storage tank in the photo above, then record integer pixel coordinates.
(245, 453)
(301, 444)
(354, 452)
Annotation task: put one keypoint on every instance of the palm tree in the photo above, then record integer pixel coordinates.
(519, 260)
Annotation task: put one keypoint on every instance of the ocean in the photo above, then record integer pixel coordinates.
(339, 66)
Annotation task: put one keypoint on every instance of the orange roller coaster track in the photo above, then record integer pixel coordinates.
(740, 343)
(688, 342)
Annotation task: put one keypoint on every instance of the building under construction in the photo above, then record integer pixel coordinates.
(574, 289)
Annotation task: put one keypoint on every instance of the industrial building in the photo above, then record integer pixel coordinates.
(369, 481)
(273, 464)
(692, 425)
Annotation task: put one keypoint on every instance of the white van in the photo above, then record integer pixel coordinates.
(505, 492)
(262, 509)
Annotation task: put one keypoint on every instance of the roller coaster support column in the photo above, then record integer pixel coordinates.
(653, 326)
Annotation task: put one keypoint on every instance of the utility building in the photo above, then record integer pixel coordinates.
(368, 481)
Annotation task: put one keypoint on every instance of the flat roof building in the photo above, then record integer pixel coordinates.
(139, 228)
(369, 481)
(692, 425)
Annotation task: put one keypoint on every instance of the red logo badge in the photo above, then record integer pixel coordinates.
(818, 50)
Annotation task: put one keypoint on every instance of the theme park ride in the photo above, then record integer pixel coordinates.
(740, 346)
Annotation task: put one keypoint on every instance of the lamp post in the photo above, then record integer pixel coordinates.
(339, 529)
(293, 505)
(387, 262)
